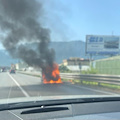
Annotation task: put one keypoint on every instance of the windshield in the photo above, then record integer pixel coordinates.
(59, 49)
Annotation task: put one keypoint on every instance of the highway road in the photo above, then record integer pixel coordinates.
(20, 85)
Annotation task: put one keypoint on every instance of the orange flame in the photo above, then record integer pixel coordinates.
(53, 73)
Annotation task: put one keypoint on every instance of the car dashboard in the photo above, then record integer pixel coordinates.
(88, 111)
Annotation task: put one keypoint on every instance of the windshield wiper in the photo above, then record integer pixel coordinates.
(32, 104)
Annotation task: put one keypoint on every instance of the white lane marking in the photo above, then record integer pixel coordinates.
(24, 92)
(9, 94)
(96, 90)
(15, 115)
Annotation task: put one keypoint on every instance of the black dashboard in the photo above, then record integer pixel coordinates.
(81, 111)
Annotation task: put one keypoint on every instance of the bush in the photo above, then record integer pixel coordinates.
(63, 69)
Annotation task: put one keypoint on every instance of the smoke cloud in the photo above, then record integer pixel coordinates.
(20, 23)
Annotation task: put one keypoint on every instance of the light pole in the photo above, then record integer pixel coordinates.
(80, 66)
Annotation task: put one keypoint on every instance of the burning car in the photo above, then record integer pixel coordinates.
(51, 74)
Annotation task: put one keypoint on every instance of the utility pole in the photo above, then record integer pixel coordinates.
(90, 60)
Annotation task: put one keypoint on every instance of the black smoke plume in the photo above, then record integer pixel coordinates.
(20, 22)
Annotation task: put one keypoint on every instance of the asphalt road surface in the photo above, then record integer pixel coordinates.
(20, 85)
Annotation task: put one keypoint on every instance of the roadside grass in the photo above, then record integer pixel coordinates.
(92, 83)
(90, 71)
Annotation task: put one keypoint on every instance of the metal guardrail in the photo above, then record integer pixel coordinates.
(110, 79)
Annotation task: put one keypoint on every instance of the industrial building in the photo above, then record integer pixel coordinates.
(77, 64)
(21, 66)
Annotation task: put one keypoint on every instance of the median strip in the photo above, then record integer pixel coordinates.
(35, 75)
